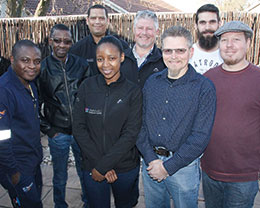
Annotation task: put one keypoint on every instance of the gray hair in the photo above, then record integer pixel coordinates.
(146, 14)
(178, 31)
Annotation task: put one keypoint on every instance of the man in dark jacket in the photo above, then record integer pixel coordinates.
(61, 74)
(20, 146)
(144, 58)
(98, 22)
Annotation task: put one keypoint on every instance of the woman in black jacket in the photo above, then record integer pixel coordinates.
(107, 120)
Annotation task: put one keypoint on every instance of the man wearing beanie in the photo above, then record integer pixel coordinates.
(231, 162)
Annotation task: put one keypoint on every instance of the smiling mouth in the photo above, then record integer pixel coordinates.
(107, 71)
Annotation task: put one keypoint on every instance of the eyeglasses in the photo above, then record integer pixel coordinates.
(65, 41)
(178, 51)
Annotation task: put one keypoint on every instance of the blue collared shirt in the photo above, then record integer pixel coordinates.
(178, 116)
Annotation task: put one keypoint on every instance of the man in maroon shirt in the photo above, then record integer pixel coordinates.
(231, 162)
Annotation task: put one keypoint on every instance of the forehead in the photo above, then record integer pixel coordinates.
(97, 12)
(28, 51)
(107, 47)
(233, 35)
(207, 16)
(62, 33)
(175, 42)
(145, 22)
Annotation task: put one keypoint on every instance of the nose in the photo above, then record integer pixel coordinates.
(229, 43)
(62, 44)
(106, 62)
(207, 26)
(32, 65)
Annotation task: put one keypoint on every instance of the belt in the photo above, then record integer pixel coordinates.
(162, 151)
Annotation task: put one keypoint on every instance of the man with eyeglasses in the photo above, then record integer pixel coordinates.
(206, 52)
(58, 83)
(144, 58)
(179, 107)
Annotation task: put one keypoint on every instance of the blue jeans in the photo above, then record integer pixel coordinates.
(220, 194)
(183, 187)
(59, 149)
(29, 189)
(98, 193)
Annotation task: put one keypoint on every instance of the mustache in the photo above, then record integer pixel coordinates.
(208, 31)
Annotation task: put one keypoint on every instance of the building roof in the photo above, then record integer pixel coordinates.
(69, 7)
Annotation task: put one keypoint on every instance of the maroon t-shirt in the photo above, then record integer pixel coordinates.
(233, 154)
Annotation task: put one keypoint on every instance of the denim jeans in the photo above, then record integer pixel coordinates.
(220, 194)
(29, 189)
(182, 187)
(98, 193)
(59, 149)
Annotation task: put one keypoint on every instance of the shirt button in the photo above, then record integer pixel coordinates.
(159, 135)
(166, 101)
(164, 118)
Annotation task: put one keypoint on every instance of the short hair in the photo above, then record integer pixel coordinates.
(248, 35)
(59, 27)
(112, 40)
(178, 31)
(21, 43)
(146, 14)
(207, 8)
(97, 6)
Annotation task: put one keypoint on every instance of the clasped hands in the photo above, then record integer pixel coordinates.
(157, 171)
(110, 176)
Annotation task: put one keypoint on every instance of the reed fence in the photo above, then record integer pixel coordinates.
(38, 29)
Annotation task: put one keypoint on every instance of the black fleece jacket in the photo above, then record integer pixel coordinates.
(107, 120)
(153, 63)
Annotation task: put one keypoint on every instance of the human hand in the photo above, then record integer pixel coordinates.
(96, 176)
(157, 171)
(15, 178)
(111, 176)
(56, 134)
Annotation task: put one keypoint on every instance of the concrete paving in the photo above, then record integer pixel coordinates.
(73, 191)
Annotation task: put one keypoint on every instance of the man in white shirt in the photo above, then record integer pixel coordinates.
(206, 53)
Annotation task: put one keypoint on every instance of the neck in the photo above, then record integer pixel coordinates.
(25, 83)
(172, 74)
(97, 38)
(210, 50)
(63, 60)
(142, 51)
(235, 67)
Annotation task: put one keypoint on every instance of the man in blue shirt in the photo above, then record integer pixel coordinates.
(178, 114)
(20, 146)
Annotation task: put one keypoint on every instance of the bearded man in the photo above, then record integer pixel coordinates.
(206, 53)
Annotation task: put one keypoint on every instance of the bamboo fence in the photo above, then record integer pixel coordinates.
(38, 29)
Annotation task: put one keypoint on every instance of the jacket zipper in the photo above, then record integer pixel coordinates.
(104, 119)
(67, 91)
(33, 101)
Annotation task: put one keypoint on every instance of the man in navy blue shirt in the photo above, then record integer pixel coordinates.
(21, 150)
(178, 114)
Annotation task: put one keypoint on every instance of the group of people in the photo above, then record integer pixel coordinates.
(182, 108)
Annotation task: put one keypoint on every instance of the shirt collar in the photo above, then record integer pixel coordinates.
(139, 59)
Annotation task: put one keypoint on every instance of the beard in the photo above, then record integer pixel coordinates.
(207, 42)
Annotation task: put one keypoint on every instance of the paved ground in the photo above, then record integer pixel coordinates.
(73, 196)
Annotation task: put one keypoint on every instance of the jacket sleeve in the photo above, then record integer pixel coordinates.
(199, 138)
(143, 143)
(7, 107)
(128, 136)
(80, 128)
(44, 124)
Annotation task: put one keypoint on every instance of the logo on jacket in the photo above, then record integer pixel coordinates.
(155, 69)
(2, 113)
(93, 111)
(28, 188)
